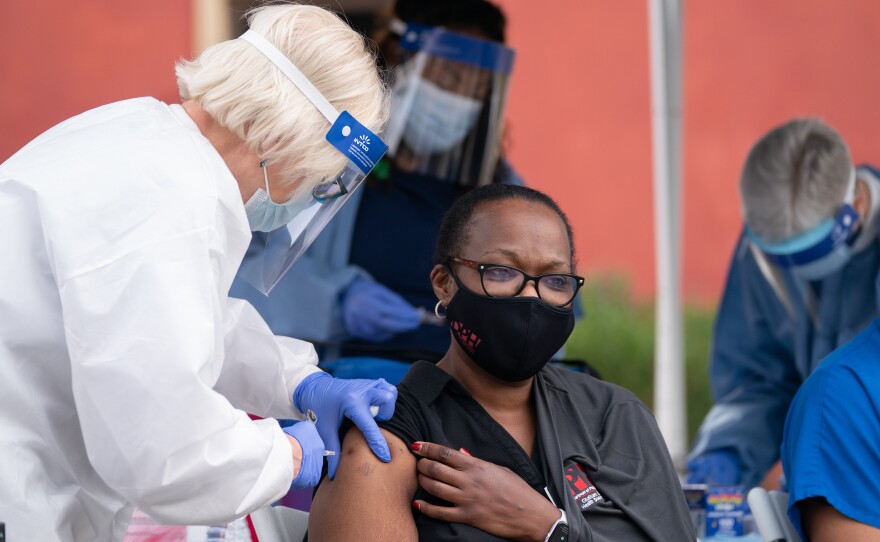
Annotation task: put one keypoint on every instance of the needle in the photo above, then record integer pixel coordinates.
(312, 417)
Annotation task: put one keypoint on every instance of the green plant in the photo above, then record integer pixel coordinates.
(616, 337)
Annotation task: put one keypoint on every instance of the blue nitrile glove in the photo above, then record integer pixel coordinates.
(332, 398)
(717, 468)
(312, 454)
(374, 313)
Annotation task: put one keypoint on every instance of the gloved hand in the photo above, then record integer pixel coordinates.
(312, 454)
(718, 468)
(332, 398)
(374, 313)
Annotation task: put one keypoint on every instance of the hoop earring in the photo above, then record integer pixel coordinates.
(437, 310)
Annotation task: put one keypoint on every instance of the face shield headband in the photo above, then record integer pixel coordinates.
(272, 254)
(823, 240)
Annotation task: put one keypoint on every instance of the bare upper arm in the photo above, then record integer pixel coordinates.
(823, 523)
(368, 499)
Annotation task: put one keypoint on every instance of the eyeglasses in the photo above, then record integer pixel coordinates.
(497, 280)
(325, 191)
(330, 190)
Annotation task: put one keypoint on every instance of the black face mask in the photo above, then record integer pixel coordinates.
(511, 338)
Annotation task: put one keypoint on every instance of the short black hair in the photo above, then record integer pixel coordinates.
(454, 228)
(455, 14)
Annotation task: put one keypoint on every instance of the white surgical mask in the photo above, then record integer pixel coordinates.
(838, 258)
(438, 119)
(265, 215)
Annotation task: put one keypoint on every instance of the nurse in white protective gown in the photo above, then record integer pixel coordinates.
(126, 371)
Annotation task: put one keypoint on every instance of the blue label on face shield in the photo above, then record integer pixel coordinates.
(354, 140)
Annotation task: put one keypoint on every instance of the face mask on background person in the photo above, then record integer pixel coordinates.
(826, 266)
(447, 84)
(265, 215)
(511, 338)
(862, 235)
(438, 119)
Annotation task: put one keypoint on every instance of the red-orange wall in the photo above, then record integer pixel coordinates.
(579, 104)
(61, 57)
(580, 112)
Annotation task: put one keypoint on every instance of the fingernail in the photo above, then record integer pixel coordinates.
(465, 451)
(415, 446)
(416, 505)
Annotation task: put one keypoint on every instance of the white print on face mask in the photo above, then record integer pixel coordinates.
(438, 119)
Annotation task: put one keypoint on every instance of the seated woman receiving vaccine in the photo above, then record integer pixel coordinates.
(492, 443)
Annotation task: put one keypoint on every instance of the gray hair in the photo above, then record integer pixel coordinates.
(244, 92)
(795, 177)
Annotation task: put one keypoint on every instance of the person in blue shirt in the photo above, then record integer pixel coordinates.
(803, 281)
(830, 446)
(360, 290)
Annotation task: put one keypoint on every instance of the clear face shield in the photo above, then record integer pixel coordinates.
(448, 104)
(271, 254)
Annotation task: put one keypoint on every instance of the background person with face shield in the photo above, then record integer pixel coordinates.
(363, 280)
(127, 371)
(803, 281)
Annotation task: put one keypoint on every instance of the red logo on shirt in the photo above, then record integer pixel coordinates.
(581, 488)
(467, 337)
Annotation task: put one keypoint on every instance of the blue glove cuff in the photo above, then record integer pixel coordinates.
(717, 467)
(303, 388)
(306, 434)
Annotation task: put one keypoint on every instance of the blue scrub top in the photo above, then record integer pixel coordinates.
(830, 447)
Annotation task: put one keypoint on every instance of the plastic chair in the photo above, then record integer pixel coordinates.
(771, 518)
(280, 524)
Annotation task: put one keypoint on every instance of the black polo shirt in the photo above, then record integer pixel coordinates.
(599, 454)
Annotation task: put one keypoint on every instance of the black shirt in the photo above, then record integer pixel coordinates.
(601, 454)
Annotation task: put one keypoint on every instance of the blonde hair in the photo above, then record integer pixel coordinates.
(244, 92)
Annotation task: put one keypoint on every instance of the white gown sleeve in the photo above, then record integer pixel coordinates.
(145, 327)
(262, 370)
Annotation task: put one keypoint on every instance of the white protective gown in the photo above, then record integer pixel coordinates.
(125, 370)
